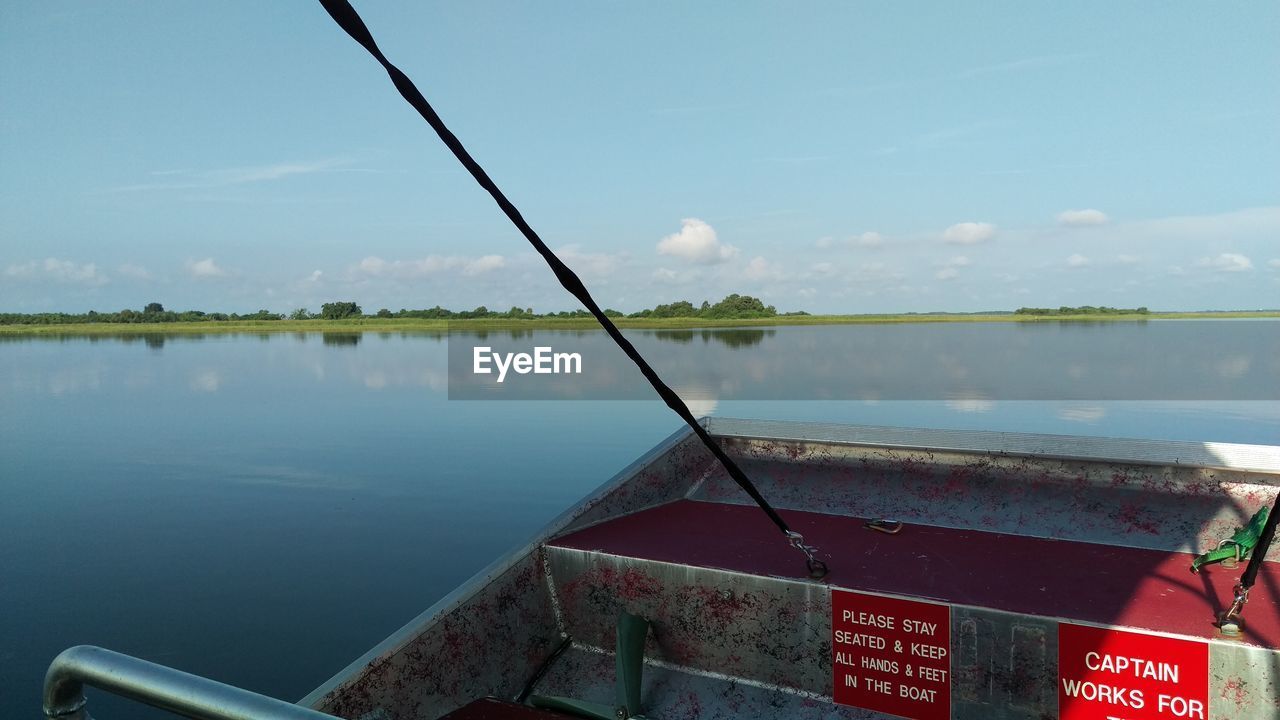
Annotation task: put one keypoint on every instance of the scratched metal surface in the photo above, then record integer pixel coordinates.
(1244, 682)
(1004, 665)
(776, 633)
(766, 629)
(1176, 508)
(725, 645)
(678, 694)
(488, 645)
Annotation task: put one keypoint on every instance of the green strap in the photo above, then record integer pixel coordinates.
(1239, 545)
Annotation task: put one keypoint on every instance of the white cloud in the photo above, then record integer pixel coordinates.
(205, 268)
(869, 239)
(137, 272)
(584, 263)
(24, 270)
(1077, 260)
(822, 268)
(1275, 263)
(1127, 259)
(225, 177)
(271, 172)
(63, 271)
(1227, 262)
(667, 276)
(950, 268)
(969, 233)
(483, 264)
(374, 266)
(1082, 218)
(1241, 225)
(761, 269)
(67, 271)
(696, 242)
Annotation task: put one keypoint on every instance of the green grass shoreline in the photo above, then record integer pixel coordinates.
(416, 325)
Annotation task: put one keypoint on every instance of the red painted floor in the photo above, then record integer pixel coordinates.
(1147, 589)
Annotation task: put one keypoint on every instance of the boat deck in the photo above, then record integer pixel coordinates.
(1103, 584)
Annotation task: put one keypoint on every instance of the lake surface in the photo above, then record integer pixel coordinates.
(262, 509)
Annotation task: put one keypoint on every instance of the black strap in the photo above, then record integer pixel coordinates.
(1259, 553)
(350, 21)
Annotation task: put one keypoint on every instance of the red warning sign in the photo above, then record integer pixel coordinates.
(1108, 674)
(891, 655)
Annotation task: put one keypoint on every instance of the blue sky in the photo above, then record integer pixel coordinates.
(832, 157)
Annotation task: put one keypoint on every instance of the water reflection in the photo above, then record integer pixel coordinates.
(230, 471)
(966, 365)
(342, 339)
(1081, 322)
(731, 337)
(207, 381)
(1089, 414)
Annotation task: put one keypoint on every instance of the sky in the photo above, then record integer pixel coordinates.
(831, 157)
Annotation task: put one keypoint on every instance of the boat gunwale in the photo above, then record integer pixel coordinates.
(1235, 457)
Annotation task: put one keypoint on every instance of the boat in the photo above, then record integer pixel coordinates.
(923, 574)
(971, 574)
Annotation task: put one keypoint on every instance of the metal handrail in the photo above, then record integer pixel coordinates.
(164, 687)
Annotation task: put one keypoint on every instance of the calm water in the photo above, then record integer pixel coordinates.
(263, 509)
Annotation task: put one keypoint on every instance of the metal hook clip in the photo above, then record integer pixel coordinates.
(888, 527)
(817, 568)
(1231, 623)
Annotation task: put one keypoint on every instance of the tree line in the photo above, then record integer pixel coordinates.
(152, 313)
(734, 306)
(1082, 310)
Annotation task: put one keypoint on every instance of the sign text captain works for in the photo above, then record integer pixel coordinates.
(1106, 674)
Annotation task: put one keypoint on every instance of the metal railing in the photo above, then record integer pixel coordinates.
(156, 685)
